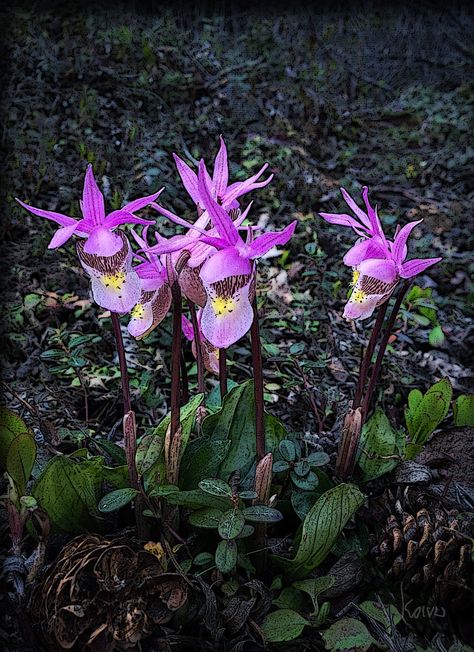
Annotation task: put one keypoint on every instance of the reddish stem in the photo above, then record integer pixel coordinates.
(198, 345)
(223, 372)
(175, 358)
(258, 384)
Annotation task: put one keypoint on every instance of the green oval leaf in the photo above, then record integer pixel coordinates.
(226, 556)
(261, 514)
(114, 500)
(347, 634)
(321, 527)
(208, 517)
(231, 524)
(280, 465)
(20, 460)
(287, 450)
(283, 625)
(318, 458)
(216, 487)
(464, 410)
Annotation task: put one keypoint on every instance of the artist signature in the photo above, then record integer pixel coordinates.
(419, 611)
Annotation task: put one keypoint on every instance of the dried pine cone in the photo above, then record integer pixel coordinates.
(104, 595)
(427, 550)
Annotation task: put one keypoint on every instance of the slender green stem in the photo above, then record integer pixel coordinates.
(198, 347)
(258, 383)
(382, 348)
(365, 363)
(223, 372)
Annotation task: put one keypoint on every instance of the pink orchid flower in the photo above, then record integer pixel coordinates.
(218, 185)
(210, 354)
(378, 263)
(95, 225)
(228, 275)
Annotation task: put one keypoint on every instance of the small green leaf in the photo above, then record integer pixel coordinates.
(389, 613)
(280, 465)
(429, 411)
(318, 458)
(261, 514)
(290, 598)
(207, 517)
(381, 446)
(149, 451)
(287, 450)
(308, 483)
(203, 559)
(216, 487)
(283, 625)
(347, 634)
(11, 425)
(231, 524)
(248, 495)
(195, 499)
(226, 556)
(116, 452)
(464, 410)
(313, 587)
(436, 336)
(302, 468)
(163, 490)
(114, 500)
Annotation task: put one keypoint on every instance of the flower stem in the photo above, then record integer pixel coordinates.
(130, 432)
(176, 358)
(198, 345)
(223, 372)
(185, 383)
(365, 363)
(258, 384)
(382, 348)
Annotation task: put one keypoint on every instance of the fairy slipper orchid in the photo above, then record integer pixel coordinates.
(378, 263)
(97, 227)
(115, 285)
(218, 185)
(228, 275)
(210, 354)
(155, 298)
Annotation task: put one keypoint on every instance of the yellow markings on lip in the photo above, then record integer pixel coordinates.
(114, 281)
(358, 296)
(355, 276)
(138, 311)
(222, 306)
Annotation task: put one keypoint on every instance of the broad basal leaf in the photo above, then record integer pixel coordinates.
(283, 625)
(381, 446)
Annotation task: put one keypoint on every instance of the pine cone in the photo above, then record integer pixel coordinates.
(427, 551)
(104, 595)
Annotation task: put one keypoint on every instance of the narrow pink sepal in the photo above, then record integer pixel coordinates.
(137, 204)
(62, 236)
(266, 241)
(59, 218)
(188, 177)
(220, 175)
(416, 266)
(92, 199)
(399, 250)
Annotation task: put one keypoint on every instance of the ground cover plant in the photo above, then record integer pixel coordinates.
(238, 410)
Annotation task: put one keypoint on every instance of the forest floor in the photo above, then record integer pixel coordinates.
(328, 100)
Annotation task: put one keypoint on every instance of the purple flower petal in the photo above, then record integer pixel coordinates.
(188, 177)
(240, 188)
(195, 229)
(218, 243)
(353, 206)
(149, 311)
(379, 268)
(59, 218)
(102, 242)
(364, 248)
(220, 176)
(224, 264)
(265, 242)
(187, 328)
(226, 320)
(361, 309)
(220, 218)
(62, 235)
(92, 199)
(137, 204)
(399, 249)
(416, 266)
(175, 243)
(122, 216)
(343, 219)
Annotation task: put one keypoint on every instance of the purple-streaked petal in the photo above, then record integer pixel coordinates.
(116, 218)
(137, 204)
(399, 249)
(118, 293)
(416, 266)
(365, 248)
(192, 286)
(102, 242)
(375, 225)
(342, 219)
(218, 243)
(92, 199)
(356, 210)
(226, 320)
(379, 268)
(220, 177)
(187, 328)
(361, 309)
(189, 178)
(175, 243)
(224, 264)
(149, 311)
(220, 218)
(59, 218)
(240, 188)
(266, 241)
(62, 236)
